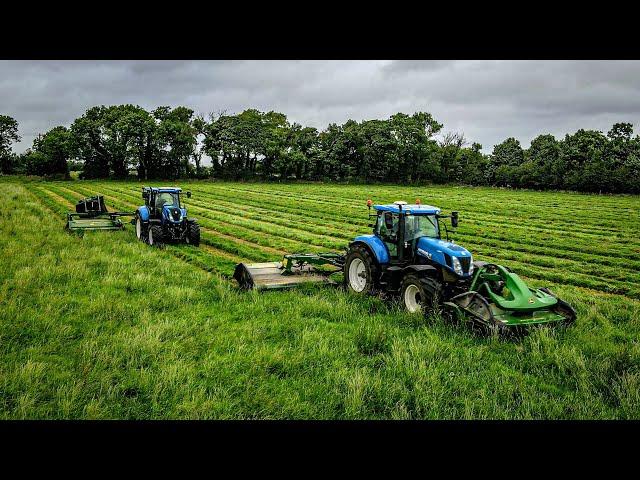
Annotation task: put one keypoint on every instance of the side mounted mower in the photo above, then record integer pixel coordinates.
(92, 214)
(406, 256)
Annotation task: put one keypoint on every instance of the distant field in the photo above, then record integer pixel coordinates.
(107, 327)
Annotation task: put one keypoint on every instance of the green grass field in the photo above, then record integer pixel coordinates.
(103, 326)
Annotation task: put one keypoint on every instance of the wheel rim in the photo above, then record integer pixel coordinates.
(151, 236)
(138, 228)
(357, 275)
(412, 299)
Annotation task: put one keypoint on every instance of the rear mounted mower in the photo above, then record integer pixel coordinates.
(406, 256)
(92, 214)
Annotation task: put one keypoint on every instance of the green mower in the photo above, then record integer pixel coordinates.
(407, 256)
(92, 214)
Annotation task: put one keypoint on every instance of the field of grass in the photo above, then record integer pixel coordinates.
(103, 326)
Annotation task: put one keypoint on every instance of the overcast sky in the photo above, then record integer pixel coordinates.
(486, 100)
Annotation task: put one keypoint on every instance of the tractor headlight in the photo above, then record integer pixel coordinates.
(456, 265)
(471, 266)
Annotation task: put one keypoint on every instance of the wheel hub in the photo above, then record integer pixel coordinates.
(357, 275)
(413, 299)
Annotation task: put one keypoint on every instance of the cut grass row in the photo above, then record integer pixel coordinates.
(591, 271)
(564, 218)
(548, 272)
(346, 231)
(582, 206)
(541, 224)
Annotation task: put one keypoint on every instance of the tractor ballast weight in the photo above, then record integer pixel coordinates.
(406, 255)
(92, 214)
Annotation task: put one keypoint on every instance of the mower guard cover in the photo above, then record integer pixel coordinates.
(499, 297)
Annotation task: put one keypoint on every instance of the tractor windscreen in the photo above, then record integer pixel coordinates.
(421, 226)
(167, 198)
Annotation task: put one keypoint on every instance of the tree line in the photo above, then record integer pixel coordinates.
(169, 143)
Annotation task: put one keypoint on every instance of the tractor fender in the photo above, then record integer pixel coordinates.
(421, 270)
(376, 247)
(143, 212)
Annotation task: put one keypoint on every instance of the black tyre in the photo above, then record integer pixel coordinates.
(360, 271)
(420, 294)
(155, 235)
(193, 235)
(141, 229)
(563, 308)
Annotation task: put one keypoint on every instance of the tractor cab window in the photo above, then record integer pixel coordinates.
(166, 198)
(387, 229)
(387, 226)
(421, 226)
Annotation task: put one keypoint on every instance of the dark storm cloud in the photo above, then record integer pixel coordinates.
(487, 100)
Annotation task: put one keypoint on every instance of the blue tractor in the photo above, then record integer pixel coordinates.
(408, 257)
(163, 218)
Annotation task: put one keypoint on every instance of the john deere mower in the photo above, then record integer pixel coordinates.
(92, 214)
(163, 218)
(407, 256)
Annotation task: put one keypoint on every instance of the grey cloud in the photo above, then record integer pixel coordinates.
(487, 100)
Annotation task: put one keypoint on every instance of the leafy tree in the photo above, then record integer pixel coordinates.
(583, 157)
(506, 157)
(8, 135)
(53, 151)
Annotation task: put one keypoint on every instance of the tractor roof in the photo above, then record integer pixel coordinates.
(411, 209)
(164, 189)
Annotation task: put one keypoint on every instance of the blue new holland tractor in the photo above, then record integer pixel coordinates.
(163, 218)
(408, 257)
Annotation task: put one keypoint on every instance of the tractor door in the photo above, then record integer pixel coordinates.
(387, 229)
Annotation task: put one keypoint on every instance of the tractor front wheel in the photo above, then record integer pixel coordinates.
(420, 294)
(193, 235)
(360, 271)
(155, 235)
(141, 229)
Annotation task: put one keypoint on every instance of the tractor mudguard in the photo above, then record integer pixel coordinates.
(376, 246)
(144, 213)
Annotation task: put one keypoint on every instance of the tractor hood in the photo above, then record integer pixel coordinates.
(173, 214)
(443, 252)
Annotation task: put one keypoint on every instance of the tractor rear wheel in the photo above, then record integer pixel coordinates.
(360, 271)
(155, 235)
(193, 235)
(420, 294)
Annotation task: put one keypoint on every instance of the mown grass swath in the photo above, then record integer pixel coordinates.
(103, 326)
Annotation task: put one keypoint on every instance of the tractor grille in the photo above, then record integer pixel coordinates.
(465, 262)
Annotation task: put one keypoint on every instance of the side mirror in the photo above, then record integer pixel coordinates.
(454, 219)
(188, 194)
(145, 195)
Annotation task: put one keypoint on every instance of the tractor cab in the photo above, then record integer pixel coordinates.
(412, 234)
(157, 198)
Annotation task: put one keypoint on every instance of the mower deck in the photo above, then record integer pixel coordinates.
(274, 276)
(77, 223)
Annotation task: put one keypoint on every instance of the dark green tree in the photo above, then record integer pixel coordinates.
(8, 136)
